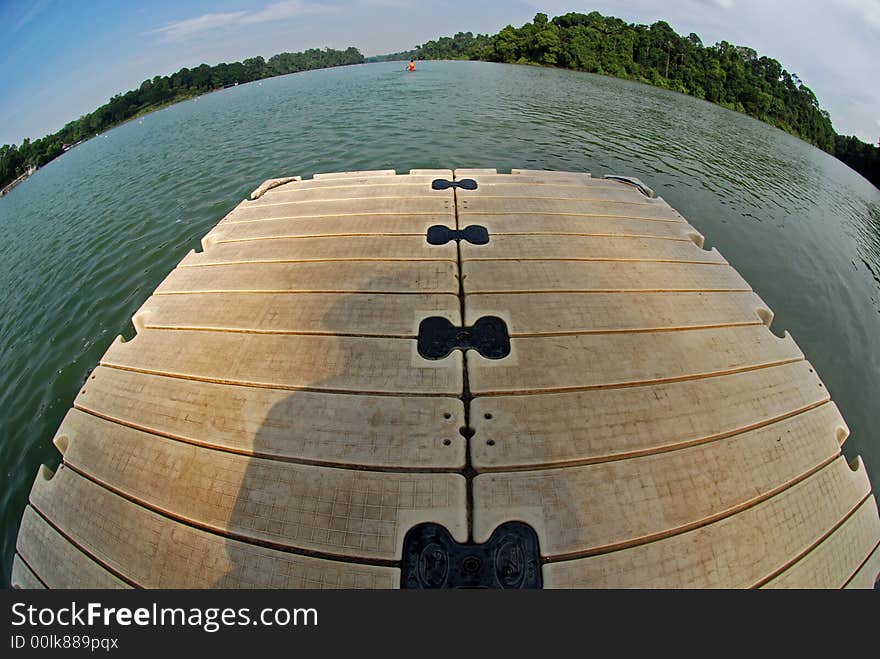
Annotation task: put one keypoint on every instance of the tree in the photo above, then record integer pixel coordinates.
(731, 75)
(159, 90)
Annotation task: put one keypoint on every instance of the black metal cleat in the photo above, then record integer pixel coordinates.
(488, 336)
(474, 234)
(433, 559)
(443, 184)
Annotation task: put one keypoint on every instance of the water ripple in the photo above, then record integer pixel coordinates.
(87, 239)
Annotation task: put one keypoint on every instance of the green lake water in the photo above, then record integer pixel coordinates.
(87, 238)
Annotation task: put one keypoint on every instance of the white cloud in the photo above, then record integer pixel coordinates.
(721, 4)
(30, 14)
(282, 10)
(278, 11)
(181, 30)
(385, 4)
(867, 10)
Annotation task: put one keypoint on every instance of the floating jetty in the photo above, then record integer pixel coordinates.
(452, 379)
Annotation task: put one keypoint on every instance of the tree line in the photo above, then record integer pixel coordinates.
(159, 92)
(735, 77)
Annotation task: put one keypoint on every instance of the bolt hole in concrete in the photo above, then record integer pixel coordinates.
(490, 442)
(447, 415)
(487, 416)
(447, 442)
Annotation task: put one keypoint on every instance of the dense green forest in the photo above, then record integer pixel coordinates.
(161, 91)
(394, 57)
(733, 76)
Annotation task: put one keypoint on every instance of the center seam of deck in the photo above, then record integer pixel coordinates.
(467, 432)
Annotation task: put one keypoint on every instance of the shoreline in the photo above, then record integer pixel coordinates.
(9, 186)
(149, 110)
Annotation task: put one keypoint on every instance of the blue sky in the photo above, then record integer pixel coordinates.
(62, 58)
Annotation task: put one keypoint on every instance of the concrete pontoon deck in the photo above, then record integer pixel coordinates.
(624, 418)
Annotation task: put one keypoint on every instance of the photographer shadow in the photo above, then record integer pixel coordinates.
(328, 478)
